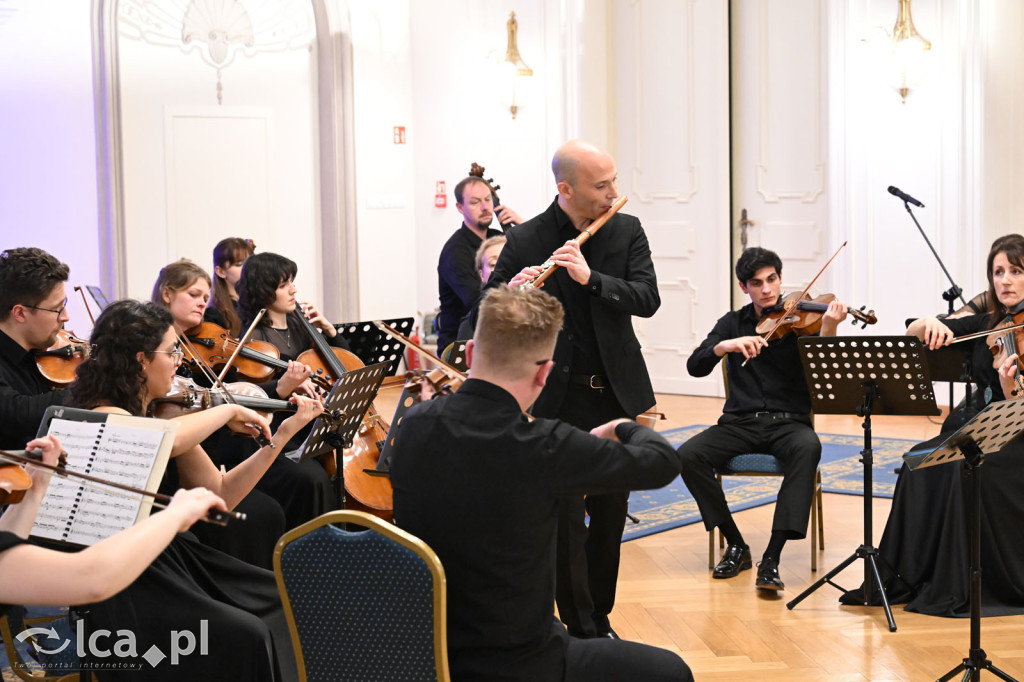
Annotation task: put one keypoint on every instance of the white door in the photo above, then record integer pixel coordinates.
(779, 137)
(670, 70)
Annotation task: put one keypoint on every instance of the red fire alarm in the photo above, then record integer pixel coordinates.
(399, 134)
(440, 194)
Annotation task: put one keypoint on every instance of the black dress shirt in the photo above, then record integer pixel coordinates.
(479, 483)
(458, 282)
(24, 395)
(771, 382)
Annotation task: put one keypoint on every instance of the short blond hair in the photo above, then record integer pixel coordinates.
(486, 244)
(516, 329)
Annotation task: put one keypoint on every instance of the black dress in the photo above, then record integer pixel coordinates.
(927, 536)
(193, 588)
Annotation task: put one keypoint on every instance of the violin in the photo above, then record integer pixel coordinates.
(256, 360)
(186, 397)
(1009, 338)
(364, 491)
(803, 315)
(59, 362)
(12, 460)
(477, 171)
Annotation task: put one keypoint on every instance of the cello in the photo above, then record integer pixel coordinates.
(363, 491)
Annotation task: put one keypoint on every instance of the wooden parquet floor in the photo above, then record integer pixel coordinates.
(726, 630)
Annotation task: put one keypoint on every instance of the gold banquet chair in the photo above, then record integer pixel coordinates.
(761, 464)
(365, 604)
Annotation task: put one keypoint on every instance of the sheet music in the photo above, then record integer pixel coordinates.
(133, 455)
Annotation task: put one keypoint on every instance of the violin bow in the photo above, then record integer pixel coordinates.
(977, 335)
(86, 304)
(241, 342)
(548, 267)
(387, 329)
(208, 372)
(114, 488)
(767, 335)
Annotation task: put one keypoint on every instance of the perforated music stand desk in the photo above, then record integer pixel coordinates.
(988, 433)
(347, 403)
(371, 345)
(866, 375)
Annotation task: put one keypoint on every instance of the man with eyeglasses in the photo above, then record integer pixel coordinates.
(33, 301)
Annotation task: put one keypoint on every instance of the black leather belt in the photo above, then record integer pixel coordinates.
(595, 381)
(778, 415)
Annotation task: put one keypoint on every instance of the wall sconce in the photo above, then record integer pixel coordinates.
(513, 63)
(908, 53)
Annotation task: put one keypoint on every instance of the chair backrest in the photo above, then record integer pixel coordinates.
(365, 604)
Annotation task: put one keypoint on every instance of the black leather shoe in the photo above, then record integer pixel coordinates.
(768, 576)
(735, 559)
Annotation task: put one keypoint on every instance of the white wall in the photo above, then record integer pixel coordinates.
(460, 116)
(47, 137)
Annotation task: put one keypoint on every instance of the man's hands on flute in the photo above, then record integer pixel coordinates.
(570, 257)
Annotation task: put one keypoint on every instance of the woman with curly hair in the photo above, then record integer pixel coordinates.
(228, 257)
(134, 358)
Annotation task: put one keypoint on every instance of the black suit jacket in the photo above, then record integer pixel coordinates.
(622, 284)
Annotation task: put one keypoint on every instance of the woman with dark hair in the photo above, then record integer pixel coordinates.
(228, 257)
(267, 282)
(302, 490)
(926, 536)
(134, 358)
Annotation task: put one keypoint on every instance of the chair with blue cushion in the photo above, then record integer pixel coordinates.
(761, 464)
(365, 604)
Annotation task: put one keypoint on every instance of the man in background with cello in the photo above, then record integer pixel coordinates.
(33, 301)
(458, 281)
(599, 372)
(768, 410)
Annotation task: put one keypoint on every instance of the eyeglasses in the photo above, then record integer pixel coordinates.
(59, 311)
(176, 355)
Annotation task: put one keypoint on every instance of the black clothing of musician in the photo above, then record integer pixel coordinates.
(767, 411)
(599, 375)
(458, 282)
(480, 484)
(24, 395)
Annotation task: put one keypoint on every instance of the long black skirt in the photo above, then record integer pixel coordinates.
(927, 538)
(247, 634)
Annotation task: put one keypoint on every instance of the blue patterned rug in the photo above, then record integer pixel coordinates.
(841, 472)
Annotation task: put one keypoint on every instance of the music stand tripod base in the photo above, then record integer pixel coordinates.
(864, 376)
(987, 433)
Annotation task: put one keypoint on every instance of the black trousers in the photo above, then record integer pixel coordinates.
(587, 557)
(599, 660)
(792, 441)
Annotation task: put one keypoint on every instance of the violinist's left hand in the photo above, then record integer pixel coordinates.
(831, 318)
(318, 320)
(570, 257)
(308, 410)
(1007, 375)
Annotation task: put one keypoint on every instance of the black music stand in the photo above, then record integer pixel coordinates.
(348, 401)
(864, 376)
(371, 345)
(989, 431)
(458, 358)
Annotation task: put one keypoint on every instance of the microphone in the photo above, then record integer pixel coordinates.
(896, 192)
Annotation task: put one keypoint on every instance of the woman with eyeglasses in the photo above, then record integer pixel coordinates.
(135, 356)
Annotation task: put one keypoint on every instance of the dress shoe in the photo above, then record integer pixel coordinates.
(735, 559)
(768, 576)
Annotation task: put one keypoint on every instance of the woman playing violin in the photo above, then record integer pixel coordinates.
(303, 490)
(33, 575)
(135, 355)
(925, 535)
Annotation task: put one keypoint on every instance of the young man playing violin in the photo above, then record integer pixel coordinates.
(32, 310)
(767, 411)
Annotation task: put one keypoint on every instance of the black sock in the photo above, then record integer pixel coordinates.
(775, 545)
(731, 532)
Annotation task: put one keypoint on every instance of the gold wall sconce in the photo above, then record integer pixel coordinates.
(513, 63)
(908, 56)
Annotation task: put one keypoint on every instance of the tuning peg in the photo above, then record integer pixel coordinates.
(497, 187)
